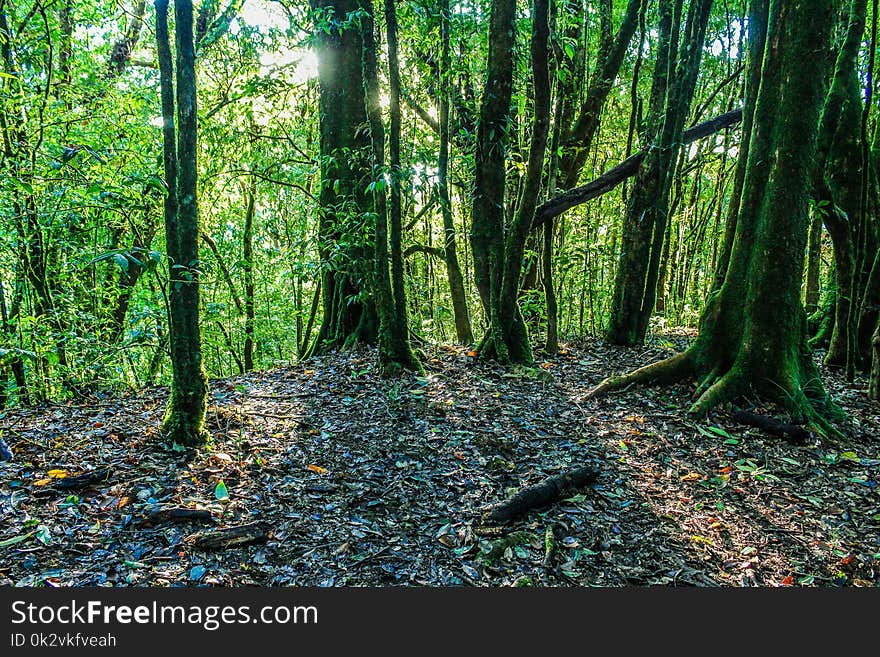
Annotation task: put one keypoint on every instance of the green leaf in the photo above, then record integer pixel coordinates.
(220, 491)
(15, 539)
(43, 535)
(569, 50)
(721, 432)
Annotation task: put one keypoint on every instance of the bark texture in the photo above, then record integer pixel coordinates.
(753, 331)
(185, 413)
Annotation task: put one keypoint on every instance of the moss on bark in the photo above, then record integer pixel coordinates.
(752, 335)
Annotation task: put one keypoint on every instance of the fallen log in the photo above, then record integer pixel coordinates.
(176, 514)
(82, 480)
(220, 539)
(545, 492)
(792, 433)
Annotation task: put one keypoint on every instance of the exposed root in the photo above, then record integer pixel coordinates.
(723, 389)
(707, 382)
(665, 371)
(818, 414)
(390, 368)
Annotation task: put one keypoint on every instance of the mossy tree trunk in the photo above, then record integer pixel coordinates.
(838, 180)
(578, 140)
(869, 304)
(757, 21)
(498, 250)
(488, 215)
(185, 414)
(551, 341)
(814, 263)
(870, 309)
(344, 229)
(644, 225)
(388, 288)
(247, 259)
(463, 330)
(874, 387)
(752, 335)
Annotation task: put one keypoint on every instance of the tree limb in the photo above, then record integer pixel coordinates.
(421, 248)
(626, 169)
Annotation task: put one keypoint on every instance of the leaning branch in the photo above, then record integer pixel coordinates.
(422, 248)
(626, 169)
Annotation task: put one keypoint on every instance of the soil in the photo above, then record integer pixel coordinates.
(344, 478)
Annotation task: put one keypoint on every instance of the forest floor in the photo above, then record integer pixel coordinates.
(356, 480)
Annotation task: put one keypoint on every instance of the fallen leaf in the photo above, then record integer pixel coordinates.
(15, 539)
(316, 468)
(57, 474)
(220, 491)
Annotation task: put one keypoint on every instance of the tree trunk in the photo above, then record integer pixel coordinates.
(814, 262)
(837, 181)
(248, 271)
(513, 327)
(487, 216)
(389, 294)
(349, 316)
(579, 140)
(551, 343)
(644, 225)
(463, 330)
(757, 21)
(185, 413)
(498, 253)
(870, 309)
(874, 387)
(752, 333)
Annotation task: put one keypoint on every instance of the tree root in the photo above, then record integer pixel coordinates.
(805, 402)
(664, 371)
(724, 388)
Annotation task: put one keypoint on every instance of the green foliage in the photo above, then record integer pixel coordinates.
(84, 274)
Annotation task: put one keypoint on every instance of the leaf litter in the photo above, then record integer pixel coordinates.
(325, 474)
